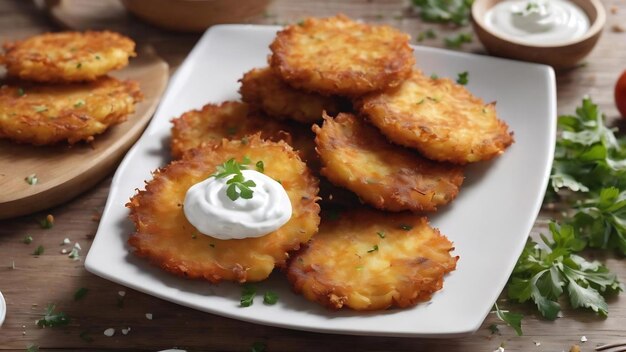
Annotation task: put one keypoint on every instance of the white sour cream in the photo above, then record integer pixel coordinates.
(210, 211)
(543, 22)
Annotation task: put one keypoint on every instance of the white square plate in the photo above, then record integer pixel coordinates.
(489, 221)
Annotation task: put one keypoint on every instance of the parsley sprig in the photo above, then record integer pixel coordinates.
(542, 275)
(445, 11)
(52, 319)
(238, 186)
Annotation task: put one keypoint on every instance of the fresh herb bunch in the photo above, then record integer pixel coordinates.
(543, 274)
(238, 186)
(590, 162)
(445, 11)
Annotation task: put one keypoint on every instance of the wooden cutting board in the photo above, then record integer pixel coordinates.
(65, 171)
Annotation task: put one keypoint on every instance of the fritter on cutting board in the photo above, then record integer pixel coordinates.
(49, 113)
(67, 56)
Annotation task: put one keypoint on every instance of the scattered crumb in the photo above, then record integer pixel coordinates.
(126, 331)
(109, 332)
(121, 293)
(574, 348)
(559, 314)
(13, 264)
(149, 316)
(63, 251)
(77, 246)
(500, 349)
(583, 339)
(617, 28)
(613, 9)
(65, 241)
(537, 343)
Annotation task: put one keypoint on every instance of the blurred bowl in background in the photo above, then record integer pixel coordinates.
(194, 15)
(560, 56)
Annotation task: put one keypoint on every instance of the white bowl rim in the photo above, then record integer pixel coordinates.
(3, 309)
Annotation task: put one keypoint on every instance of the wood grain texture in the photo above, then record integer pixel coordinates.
(65, 171)
(53, 278)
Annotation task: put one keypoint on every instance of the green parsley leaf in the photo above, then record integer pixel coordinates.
(258, 347)
(428, 34)
(445, 11)
(513, 320)
(39, 250)
(80, 293)
(260, 167)
(28, 239)
(52, 319)
(455, 42)
(380, 234)
(247, 296)
(20, 92)
(433, 76)
(270, 297)
(79, 65)
(32, 348)
(406, 227)
(237, 185)
(541, 274)
(493, 328)
(463, 78)
(74, 254)
(97, 57)
(374, 249)
(31, 179)
(79, 103)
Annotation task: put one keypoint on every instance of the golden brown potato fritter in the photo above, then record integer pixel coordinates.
(342, 57)
(367, 260)
(212, 123)
(264, 90)
(166, 238)
(67, 56)
(356, 156)
(441, 119)
(50, 113)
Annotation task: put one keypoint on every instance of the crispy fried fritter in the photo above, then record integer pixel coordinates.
(67, 56)
(165, 237)
(441, 119)
(50, 113)
(356, 156)
(367, 260)
(263, 89)
(339, 56)
(212, 123)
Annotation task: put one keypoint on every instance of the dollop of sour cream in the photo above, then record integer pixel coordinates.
(546, 22)
(213, 213)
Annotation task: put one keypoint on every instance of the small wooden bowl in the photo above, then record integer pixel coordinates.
(194, 15)
(561, 56)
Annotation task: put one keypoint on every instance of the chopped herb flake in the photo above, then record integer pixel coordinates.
(270, 297)
(260, 167)
(39, 250)
(445, 11)
(32, 348)
(79, 65)
(20, 92)
(374, 249)
(247, 296)
(380, 234)
(80, 293)
(457, 41)
(47, 222)
(52, 319)
(31, 179)
(462, 79)
(434, 76)
(79, 103)
(40, 108)
(28, 239)
(406, 227)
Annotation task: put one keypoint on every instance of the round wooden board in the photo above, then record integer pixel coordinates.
(65, 171)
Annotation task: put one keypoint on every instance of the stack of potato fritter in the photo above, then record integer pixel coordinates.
(57, 89)
(381, 131)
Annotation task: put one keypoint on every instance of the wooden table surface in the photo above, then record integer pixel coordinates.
(35, 282)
